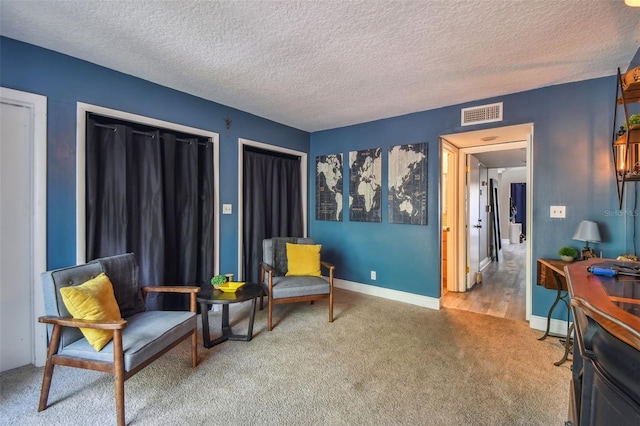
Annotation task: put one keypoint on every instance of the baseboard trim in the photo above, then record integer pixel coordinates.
(556, 327)
(387, 293)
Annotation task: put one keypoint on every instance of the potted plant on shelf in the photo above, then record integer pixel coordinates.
(567, 253)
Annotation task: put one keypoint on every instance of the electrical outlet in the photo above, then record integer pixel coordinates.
(558, 212)
(373, 275)
(226, 209)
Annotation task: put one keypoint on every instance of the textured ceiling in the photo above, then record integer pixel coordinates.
(316, 65)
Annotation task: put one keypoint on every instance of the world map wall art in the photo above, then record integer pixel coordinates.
(408, 184)
(329, 187)
(365, 182)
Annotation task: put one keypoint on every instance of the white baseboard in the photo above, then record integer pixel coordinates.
(386, 293)
(556, 327)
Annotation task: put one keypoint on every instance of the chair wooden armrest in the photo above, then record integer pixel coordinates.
(77, 323)
(175, 289)
(327, 265)
(266, 267)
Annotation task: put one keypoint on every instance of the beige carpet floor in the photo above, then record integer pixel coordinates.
(380, 363)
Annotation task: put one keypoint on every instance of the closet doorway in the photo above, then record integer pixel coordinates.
(151, 188)
(272, 199)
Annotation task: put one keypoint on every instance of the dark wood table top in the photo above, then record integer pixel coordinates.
(614, 302)
(212, 296)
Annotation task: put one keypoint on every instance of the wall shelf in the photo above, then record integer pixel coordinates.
(626, 144)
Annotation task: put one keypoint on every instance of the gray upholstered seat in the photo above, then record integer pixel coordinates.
(288, 289)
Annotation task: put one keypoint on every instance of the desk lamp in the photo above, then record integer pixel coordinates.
(588, 232)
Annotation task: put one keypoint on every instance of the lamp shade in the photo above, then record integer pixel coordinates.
(587, 231)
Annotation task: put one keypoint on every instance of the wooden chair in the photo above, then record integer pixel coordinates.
(139, 338)
(281, 288)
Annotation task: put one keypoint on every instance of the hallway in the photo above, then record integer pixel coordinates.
(502, 291)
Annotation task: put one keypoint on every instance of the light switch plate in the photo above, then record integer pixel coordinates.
(559, 212)
(226, 209)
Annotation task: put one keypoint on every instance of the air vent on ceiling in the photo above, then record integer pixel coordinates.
(481, 114)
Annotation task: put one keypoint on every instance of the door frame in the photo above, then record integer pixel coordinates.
(303, 185)
(452, 211)
(461, 240)
(38, 259)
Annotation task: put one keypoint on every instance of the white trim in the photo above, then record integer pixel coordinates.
(452, 254)
(528, 275)
(386, 293)
(82, 111)
(557, 328)
(303, 184)
(38, 106)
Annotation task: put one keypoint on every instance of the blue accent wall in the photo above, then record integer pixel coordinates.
(572, 165)
(66, 80)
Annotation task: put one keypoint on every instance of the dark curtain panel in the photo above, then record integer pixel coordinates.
(519, 201)
(272, 203)
(151, 193)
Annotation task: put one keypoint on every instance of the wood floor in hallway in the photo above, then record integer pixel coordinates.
(502, 292)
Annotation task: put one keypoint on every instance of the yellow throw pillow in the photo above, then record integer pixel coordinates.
(303, 260)
(93, 300)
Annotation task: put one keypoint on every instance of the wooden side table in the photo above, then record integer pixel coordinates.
(550, 274)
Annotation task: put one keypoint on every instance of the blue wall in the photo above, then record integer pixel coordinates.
(66, 80)
(572, 165)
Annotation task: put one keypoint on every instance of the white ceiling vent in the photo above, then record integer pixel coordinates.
(481, 114)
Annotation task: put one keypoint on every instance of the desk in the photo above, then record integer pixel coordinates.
(210, 296)
(551, 275)
(605, 382)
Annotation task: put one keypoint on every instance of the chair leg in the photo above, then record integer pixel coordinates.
(48, 368)
(118, 359)
(194, 349)
(269, 316)
(331, 307)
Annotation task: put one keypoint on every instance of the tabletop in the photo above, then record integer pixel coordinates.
(247, 292)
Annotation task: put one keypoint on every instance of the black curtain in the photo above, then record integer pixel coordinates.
(150, 192)
(519, 204)
(272, 203)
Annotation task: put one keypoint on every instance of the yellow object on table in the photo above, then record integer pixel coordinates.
(230, 287)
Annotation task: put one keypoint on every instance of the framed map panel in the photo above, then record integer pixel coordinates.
(365, 185)
(329, 187)
(408, 184)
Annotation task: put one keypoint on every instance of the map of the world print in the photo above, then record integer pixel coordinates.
(408, 184)
(329, 187)
(365, 182)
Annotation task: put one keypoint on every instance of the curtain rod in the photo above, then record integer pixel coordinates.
(106, 126)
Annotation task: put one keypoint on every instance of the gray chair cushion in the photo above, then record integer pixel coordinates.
(146, 334)
(299, 286)
(52, 282)
(280, 255)
(122, 271)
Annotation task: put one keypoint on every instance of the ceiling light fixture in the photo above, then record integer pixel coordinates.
(632, 3)
(488, 138)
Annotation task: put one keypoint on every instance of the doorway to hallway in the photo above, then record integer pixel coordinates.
(502, 152)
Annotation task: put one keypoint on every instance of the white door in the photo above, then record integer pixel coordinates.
(474, 221)
(483, 216)
(21, 230)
